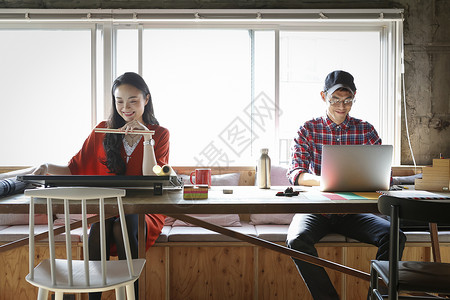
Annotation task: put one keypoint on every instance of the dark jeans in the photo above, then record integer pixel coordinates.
(114, 236)
(307, 229)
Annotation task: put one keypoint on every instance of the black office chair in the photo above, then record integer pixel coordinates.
(411, 277)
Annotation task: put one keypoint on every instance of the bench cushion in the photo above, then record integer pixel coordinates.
(16, 232)
(273, 233)
(278, 219)
(21, 219)
(73, 218)
(278, 233)
(444, 236)
(419, 236)
(164, 236)
(278, 176)
(199, 234)
(227, 220)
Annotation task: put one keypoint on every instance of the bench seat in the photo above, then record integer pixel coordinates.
(272, 233)
(17, 232)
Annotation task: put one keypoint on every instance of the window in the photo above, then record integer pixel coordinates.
(224, 87)
(46, 94)
(201, 82)
(306, 59)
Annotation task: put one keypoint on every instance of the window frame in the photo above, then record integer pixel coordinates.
(105, 23)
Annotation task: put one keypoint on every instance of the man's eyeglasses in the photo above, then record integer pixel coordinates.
(336, 101)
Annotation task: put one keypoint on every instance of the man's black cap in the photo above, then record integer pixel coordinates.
(339, 79)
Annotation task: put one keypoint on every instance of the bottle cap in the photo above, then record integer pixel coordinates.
(265, 150)
(157, 169)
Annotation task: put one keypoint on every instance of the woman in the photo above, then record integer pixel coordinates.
(122, 154)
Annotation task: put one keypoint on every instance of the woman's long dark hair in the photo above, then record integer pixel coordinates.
(113, 142)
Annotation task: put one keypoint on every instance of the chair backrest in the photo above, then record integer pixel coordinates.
(80, 195)
(432, 211)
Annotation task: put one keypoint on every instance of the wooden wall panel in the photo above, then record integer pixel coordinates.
(358, 258)
(335, 254)
(445, 254)
(15, 267)
(12, 275)
(278, 277)
(211, 273)
(156, 273)
(417, 254)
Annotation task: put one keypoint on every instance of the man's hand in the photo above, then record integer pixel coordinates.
(308, 179)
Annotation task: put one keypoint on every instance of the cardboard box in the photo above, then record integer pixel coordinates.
(435, 178)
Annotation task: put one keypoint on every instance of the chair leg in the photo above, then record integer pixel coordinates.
(59, 295)
(42, 294)
(130, 291)
(373, 283)
(374, 291)
(120, 293)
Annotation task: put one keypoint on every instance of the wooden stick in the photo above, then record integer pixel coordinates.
(110, 130)
(435, 242)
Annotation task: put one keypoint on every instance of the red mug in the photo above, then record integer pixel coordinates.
(202, 176)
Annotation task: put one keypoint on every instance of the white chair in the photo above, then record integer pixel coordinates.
(81, 276)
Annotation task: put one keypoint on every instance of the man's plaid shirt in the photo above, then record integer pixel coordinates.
(306, 152)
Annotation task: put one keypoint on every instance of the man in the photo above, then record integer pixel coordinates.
(334, 128)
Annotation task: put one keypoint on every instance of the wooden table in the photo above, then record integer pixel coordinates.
(243, 200)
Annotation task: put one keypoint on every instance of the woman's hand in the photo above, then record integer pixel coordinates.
(40, 170)
(14, 174)
(51, 169)
(134, 125)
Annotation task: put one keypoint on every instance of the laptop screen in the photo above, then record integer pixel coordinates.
(352, 168)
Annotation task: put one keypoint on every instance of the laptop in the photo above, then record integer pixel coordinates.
(117, 181)
(356, 168)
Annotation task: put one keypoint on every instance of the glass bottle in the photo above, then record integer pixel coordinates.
(263, 170)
